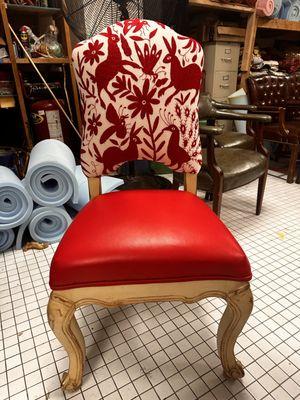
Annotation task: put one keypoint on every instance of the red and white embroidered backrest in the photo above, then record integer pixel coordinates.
(139, 84)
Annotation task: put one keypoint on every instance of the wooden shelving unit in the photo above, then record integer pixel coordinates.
(253, 23)
(39, 61)
(278, 24)
(222, 6)
(16, 8)
(40, 17)
(250, 28)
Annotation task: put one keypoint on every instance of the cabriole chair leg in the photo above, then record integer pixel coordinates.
(237, 312)
(64, 325)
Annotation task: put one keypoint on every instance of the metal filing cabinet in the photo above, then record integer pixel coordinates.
(221, 61)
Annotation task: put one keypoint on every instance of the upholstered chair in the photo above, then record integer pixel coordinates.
(280, 97)
(139, 85)
(232, 139)
(229, 167)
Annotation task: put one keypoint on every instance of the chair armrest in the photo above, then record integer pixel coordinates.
(208, 110)
(280, 112)
(223, 114)
(210, 130)
(269, 108)
(293, 104)
(226, 106)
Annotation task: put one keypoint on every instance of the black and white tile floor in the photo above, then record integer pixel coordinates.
(167, 350)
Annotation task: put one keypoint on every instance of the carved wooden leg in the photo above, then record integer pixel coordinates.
(64, 325)
(238, 310)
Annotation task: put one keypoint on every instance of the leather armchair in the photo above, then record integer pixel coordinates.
(279, 96)
(224, 169)
(233, 139)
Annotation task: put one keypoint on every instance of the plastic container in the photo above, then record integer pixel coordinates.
(239, 98)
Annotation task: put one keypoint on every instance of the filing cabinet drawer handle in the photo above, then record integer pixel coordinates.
(226, 59)
(224, 86)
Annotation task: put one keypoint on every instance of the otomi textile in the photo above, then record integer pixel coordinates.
(139, 85)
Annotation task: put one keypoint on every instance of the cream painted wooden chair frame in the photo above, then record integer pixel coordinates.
(63, 303)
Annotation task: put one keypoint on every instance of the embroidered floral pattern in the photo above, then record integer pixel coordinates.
(142, 101)
(93, 52)
(93, 124)
(139, 86)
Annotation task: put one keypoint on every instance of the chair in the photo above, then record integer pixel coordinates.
(232, 139)
(139, 85)
(280, 97)
(224, 169)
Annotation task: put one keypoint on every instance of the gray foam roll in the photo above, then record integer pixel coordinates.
(15, 202)
(50, 177)
(6, 239)
(46, 225)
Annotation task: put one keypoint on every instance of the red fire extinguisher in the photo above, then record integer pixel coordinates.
(48, 121)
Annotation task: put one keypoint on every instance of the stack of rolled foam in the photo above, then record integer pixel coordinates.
(15, 206)
(52, 180)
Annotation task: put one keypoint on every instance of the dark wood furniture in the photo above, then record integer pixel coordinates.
(280, 97)
(233, 139)
(224, 169)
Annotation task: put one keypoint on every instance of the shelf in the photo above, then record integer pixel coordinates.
(15, 8)
(222, 6)
(43, 60)
(38, 61)
(278, 24)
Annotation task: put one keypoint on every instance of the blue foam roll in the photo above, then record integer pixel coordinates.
(46, 225)
(290, 10)
(15, 203)
(50, 177)
(108, 184)
(6, 239)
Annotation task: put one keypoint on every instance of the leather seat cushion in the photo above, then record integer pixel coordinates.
(235, 140)
(238, 165)
(271, 131)
(149, 236)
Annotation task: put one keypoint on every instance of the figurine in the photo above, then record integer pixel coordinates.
(49, 44)
(46, 45)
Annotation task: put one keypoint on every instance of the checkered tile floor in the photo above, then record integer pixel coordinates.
(166, 350)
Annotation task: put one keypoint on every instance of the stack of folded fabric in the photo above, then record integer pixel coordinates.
(52, 181)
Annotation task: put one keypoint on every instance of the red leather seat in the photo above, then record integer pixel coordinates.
(146, 237)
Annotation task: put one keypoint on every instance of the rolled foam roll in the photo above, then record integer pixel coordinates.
(50, 177)
(108, 184)
(6, 239)
(15, 202)
(292, 12)
(277, 8)
(264, 8)
(46, 225)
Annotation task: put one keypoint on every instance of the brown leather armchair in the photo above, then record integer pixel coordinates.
(224, 169)
(280, 97)
(233, 139)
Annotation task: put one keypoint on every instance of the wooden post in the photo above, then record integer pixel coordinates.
(248, 48)
(72, 75)
(17, 79)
